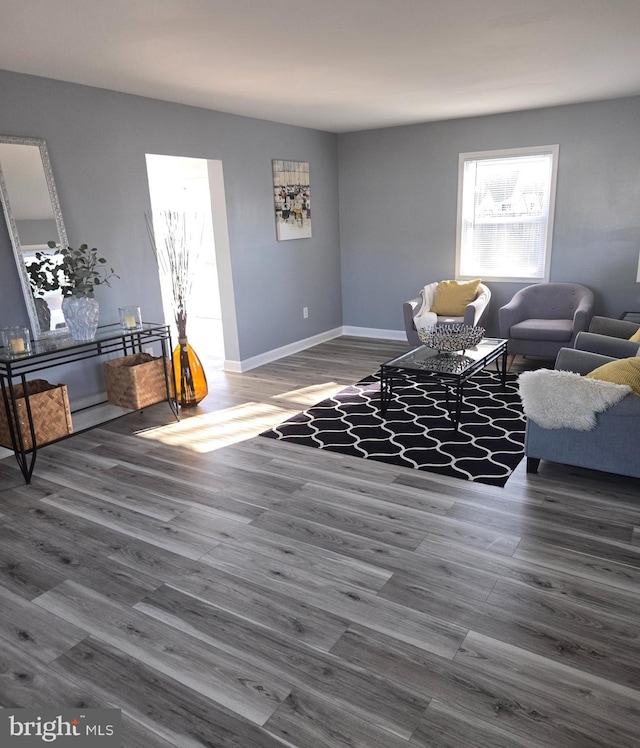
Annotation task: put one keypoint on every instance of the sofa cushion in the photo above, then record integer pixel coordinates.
(453, 296)
(623, 371)
(559, 330)
(636, 336)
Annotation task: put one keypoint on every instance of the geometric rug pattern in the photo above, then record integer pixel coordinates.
(416, 431)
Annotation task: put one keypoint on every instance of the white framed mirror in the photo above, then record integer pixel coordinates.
(32, 212)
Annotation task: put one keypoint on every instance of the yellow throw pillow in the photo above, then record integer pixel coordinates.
(623, 371)
(452, 297)
(636, 336)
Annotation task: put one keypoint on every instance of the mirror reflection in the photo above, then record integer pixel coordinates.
(33, 218)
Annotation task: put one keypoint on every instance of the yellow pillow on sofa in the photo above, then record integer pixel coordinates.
(452, 297)
(623, 371)
(636, 336)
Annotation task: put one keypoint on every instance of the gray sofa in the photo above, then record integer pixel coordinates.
(610, 337)
(613, 446)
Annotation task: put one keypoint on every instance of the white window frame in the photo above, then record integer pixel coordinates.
(509, 153)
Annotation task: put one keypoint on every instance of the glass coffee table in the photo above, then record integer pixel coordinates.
(424, 364)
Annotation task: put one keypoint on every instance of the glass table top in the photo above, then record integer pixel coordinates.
(55, 344)
(430, 360)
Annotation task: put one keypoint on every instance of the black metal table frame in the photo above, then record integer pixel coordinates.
(52, 352)
(452, 382)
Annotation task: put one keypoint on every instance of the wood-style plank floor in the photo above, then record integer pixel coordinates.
(224, 590)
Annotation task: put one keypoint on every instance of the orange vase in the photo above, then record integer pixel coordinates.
(190, 377)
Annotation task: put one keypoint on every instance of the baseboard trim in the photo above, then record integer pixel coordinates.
(230, 365)
(267, 357)
(372, 332)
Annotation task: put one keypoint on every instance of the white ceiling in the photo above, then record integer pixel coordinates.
(337, 65)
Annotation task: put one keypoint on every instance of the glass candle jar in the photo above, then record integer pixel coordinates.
(130, 318)
(16, 341)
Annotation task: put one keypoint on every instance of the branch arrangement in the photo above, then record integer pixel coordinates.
(176, 255)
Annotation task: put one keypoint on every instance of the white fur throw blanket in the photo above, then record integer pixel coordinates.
(424, 317)
(562, 399)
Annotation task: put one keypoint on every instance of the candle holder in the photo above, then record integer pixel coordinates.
(130, 318)
(16, 341)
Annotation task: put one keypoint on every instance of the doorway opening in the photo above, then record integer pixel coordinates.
(182, 184)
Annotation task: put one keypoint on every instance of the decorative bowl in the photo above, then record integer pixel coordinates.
(451, 338)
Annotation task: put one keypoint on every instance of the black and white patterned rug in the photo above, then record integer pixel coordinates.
(416, 431)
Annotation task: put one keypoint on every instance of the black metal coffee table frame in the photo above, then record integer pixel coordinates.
(451, 369)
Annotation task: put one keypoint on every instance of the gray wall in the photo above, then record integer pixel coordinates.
(97, 141)
(392, 231)
(398, 192)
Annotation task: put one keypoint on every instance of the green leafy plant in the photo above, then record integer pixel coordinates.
(78, 271)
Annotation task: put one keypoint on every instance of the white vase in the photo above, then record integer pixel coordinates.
(81, 315)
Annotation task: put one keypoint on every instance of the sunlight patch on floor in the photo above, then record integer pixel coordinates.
(310, 395)
(210, 431)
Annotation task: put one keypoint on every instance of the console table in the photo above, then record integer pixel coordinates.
(57, 351)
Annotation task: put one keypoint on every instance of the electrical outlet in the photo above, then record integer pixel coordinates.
(148, 349)
(305, 312)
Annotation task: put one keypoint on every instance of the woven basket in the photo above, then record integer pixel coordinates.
(137, 381)
(49, 410)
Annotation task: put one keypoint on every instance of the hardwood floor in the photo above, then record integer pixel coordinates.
(227, 590)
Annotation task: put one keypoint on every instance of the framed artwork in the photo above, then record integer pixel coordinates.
(292, 199)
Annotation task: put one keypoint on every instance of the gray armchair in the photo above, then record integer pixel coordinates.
(610, 337)
(540, 320)
(473, 313)
(612, 446)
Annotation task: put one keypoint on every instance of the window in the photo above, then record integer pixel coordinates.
(505, 213)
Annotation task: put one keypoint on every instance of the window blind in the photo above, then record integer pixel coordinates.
(505, 215)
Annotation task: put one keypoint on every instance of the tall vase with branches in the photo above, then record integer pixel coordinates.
(175, 253)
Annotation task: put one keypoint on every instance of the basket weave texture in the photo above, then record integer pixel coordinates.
(49, 410)
(136, 381)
